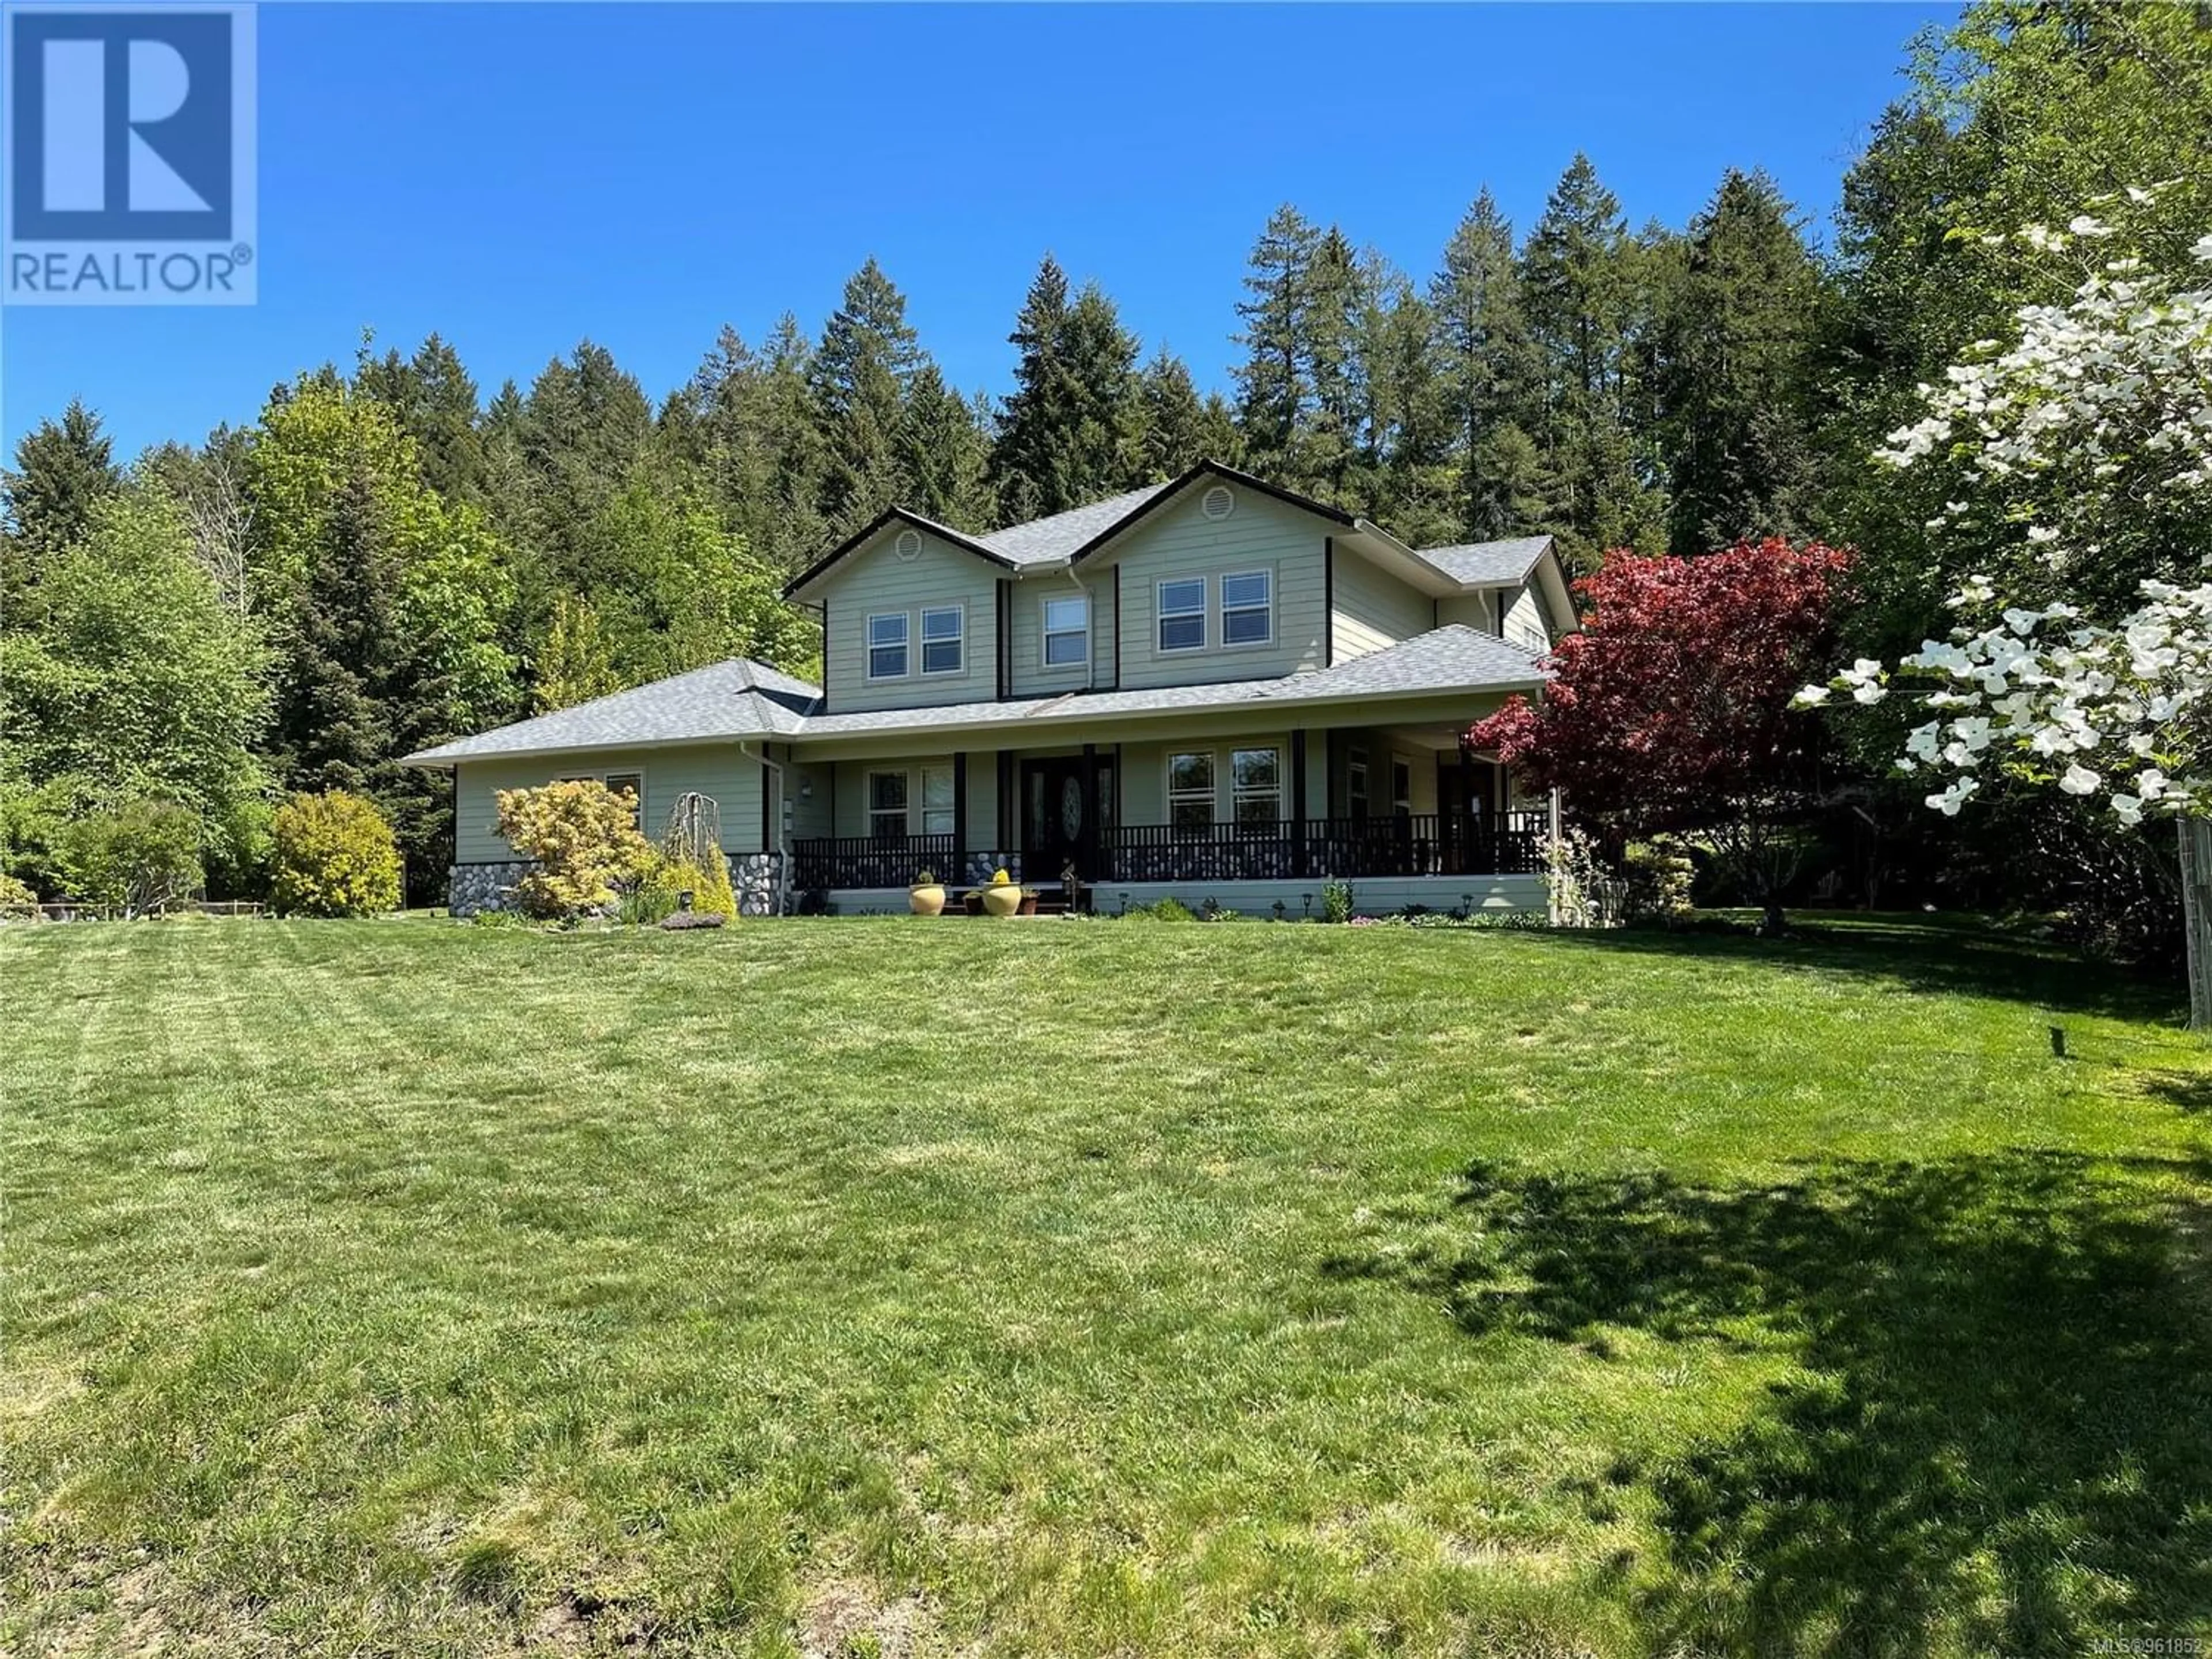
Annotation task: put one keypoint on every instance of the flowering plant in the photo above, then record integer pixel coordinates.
(2095, 425)
(1000, 879)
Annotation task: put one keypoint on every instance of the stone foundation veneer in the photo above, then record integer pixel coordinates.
(754, 877)
(981, 866)
(473, 887)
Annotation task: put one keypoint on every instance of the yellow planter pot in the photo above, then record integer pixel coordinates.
(927, 900)
(1002, 899)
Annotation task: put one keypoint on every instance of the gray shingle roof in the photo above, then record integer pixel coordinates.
(1488, 564)
(738, 700)
(1044, 541)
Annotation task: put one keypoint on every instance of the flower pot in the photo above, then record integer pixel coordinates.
(927, 901)
(1028, 905)
(972, 903)
(1003, 899)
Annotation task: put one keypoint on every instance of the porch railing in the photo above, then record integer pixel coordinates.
(871, 860)
(1420, 844)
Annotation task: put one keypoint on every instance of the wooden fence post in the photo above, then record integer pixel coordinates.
(2196, 916)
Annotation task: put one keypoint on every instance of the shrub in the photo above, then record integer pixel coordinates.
(583, 840)
(133, 858)
(1167, 909)
(1336, 901)
(17, 901)
(708, 884)
(1660, 876)
(335, 855)
(648, 898)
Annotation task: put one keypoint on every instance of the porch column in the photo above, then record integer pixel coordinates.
(1299, 802)
(1463, 812)
(1087, 851)
(960, 816)
(1002, 833)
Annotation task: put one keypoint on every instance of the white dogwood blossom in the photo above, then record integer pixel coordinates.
(2116, 385)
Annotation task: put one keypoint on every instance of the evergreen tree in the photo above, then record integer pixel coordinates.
(435, 403)
(1327, 335)
(64, 469)
(1070, 433)
(1737, 335)
(1488, 375)
(1027, 461)
(945, 454)
(1173, 423)
(859, 376)
(1578, 275)
(1274, 392)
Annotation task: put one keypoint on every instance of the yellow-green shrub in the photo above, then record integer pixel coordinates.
(334, 855)
(582, 836)
(16, 898)
(709, 884)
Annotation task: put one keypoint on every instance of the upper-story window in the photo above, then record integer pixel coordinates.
(1248, 608)
(887, 647)
(1068, 632)
(943, 631)
(1183, 614)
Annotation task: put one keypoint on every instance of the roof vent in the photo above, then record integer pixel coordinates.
(909, 545)
(1219, 503)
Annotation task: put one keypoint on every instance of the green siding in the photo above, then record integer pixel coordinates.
(1030, 679)
(1476, 610)
(1181, 541)
(717, 770)
(1372, 609)
(875, 580)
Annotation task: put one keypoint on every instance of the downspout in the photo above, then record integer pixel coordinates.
(782, 851)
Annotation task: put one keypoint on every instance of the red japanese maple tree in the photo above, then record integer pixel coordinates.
(1670, 710)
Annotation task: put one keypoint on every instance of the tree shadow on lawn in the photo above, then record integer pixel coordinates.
(1948, 957)
(2001, 1434)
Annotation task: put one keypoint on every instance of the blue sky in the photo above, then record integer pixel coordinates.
(522, 177)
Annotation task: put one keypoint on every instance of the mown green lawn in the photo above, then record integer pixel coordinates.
(864, 1286)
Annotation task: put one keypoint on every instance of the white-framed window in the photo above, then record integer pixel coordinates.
(1355, 777)
(1248, 608)
(936, 800)
(1183, 614)
(887, 646)
(1402, 786)
(1255, 786)
(1067, 631)
(944, 631)
(1190, 790)
(887, 806)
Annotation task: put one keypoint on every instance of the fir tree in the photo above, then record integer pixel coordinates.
(1487, 375)
(860, 377)
(1173, 431)
(1578, 278)
(1275, 393)
(64, 469)
(944, 455)
(1736, 343)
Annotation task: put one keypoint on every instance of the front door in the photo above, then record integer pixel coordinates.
(1060, 818)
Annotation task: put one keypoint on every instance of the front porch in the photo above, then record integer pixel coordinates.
(1425, 844)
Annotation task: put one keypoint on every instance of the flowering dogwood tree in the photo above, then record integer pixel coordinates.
(2093, 430)
(1670, 709)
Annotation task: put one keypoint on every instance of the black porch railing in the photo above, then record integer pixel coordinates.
(1418, 844)
(871, 860)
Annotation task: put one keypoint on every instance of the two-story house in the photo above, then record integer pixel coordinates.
(1210, 688)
